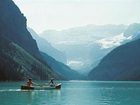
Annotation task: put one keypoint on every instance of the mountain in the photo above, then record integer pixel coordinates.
(46, 47)
(122, 63)
(18, 64)
(83, 45)
(61, 69)
(85, 33)
(133, 31)
(97, 53)
(13, 25)
(103, 46)
(20, 57)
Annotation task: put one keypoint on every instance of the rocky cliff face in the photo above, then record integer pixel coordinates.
(13, 26)
(18, 64)
(19, 55)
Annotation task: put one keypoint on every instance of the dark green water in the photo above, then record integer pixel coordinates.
(73, 93)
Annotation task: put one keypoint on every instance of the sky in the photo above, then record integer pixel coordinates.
(62, 14)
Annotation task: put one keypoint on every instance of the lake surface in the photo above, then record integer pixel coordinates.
(73, 93)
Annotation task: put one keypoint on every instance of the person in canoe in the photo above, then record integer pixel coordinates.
(51, 83)
(30, 83)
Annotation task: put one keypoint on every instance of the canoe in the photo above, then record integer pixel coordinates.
(43, 87)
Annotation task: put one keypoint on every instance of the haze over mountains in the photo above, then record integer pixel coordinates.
(55, 58)
(86, 46)
(46, 47)
(99, 52)
(111, 52)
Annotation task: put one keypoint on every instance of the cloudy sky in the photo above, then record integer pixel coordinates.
(62, 14)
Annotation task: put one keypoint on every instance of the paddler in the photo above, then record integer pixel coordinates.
(51, 83)
(29, 82)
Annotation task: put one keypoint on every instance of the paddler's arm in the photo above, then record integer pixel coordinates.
(34, 83)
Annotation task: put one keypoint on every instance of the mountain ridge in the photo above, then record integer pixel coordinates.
(19, 53)
(46, 47)
(122, 63)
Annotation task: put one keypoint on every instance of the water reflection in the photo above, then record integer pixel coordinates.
(75, 93)
(28, 95)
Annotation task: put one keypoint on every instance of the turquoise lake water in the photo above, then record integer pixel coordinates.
(73, 93)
